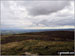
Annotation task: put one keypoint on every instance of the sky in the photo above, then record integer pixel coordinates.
(37, 14)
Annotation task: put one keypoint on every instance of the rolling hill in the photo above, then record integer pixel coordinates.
(40, 43)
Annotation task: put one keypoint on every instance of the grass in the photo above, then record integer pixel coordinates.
(36, 47)
(40, 43)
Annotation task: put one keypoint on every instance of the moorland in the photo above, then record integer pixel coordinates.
(39, 43)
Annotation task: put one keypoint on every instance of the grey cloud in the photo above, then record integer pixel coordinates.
(46, 7)
(69, 20)
(14, 17)
(59, 23)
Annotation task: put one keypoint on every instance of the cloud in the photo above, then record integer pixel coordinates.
(24, 14)
(46, 7)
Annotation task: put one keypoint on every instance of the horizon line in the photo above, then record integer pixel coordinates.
(60, 27)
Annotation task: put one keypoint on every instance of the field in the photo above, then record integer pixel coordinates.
(38, 43)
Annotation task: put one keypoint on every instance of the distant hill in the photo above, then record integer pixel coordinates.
(18, 31)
